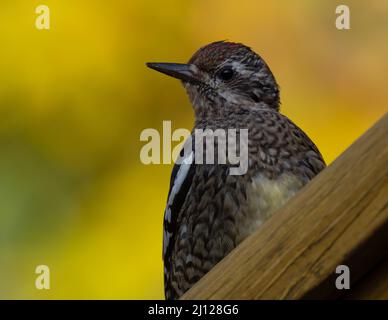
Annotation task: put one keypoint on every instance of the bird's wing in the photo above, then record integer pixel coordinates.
(180, 183)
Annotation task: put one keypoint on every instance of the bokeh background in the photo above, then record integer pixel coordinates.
(74, 99)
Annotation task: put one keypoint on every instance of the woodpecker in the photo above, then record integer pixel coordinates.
(209, 211)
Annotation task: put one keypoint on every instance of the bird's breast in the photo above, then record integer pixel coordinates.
(264, 197)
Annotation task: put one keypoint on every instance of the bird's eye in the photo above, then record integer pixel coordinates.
(226, 73)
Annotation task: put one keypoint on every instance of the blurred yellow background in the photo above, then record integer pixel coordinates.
(74, 99)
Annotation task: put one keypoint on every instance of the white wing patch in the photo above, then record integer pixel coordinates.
(179, 179)
(166, 239)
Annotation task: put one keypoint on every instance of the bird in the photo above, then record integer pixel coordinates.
(209, 211)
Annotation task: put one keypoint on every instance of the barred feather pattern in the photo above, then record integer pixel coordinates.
(218, 210)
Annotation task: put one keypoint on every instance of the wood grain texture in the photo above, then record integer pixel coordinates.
(340, 217)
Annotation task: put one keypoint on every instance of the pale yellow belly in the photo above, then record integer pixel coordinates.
(265, 197)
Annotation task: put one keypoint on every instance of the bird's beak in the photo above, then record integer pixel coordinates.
(184, 72)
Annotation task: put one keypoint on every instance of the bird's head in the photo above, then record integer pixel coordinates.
(225, 75)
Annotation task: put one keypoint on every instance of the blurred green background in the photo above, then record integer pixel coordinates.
(74, 99)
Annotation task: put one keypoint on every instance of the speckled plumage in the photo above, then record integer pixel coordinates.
(214, 211)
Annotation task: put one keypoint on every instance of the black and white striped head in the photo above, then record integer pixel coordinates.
(225, 75)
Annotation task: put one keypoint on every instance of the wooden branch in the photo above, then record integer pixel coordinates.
(340, 217)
